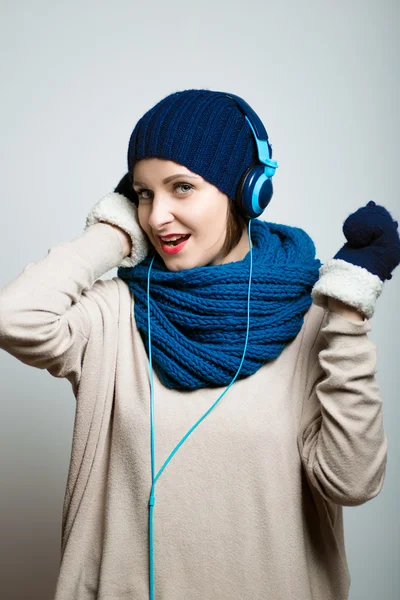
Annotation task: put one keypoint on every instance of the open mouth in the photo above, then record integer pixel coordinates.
(181, 239)
(172, 247)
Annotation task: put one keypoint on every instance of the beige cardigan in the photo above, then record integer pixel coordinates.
(250, 507)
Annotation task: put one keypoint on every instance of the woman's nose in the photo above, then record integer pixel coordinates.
(160, 213)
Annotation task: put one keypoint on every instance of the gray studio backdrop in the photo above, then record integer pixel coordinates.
(324, 78)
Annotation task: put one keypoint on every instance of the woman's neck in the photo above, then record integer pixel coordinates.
(239, 251)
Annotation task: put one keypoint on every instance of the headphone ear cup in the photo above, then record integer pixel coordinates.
(239, 194)
(125, 188)
(254, 203)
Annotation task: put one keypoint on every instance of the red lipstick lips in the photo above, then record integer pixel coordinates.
(168, 235)
(168, 249)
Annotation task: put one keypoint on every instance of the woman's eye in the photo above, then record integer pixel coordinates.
(181, 184)
(140, 193)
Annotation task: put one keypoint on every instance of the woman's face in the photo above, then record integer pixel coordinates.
(174, 200)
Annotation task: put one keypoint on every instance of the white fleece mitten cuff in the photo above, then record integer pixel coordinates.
(116, 209)
(349, 283)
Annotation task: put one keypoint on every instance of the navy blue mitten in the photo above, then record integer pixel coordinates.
(357, 272)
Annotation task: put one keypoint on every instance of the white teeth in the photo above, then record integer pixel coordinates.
(172, 239)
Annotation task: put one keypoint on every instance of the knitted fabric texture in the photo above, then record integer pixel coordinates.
(202, 129)
(199, 315)
(372, 240)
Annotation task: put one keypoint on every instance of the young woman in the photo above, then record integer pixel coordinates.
(226, 404)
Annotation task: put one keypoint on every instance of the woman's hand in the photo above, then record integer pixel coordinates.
(120, 212)
(372, 240)
(356, 274)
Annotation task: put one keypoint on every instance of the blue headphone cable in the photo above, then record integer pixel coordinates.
(154, 479)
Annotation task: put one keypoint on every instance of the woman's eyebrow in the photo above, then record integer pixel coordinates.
(168, 179)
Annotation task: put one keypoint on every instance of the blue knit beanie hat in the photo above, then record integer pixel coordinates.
(201, 129)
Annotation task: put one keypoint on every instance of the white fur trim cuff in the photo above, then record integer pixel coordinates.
(349, 283)
(116, 209)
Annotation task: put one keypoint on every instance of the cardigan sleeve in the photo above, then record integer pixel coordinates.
(342, 442)
(46, 311)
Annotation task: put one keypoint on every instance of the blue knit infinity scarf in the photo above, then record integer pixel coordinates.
(199, 315)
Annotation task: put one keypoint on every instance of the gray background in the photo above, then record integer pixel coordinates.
(323, 77)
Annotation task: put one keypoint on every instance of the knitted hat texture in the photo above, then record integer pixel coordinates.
(201, 129)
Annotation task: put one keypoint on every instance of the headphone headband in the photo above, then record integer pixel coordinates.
(257, 124)
(255, 191)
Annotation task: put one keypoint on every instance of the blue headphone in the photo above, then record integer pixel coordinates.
(254, 194)
(255, 189)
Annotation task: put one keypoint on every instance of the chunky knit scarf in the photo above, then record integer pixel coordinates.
(199, 315)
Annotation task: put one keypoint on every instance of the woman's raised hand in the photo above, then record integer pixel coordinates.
(118, 209)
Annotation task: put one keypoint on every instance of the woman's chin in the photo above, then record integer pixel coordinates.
(175, 263)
